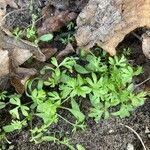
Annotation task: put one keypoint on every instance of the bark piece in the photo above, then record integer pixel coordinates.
(106, 22)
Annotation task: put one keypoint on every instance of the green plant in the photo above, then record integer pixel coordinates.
(31, 32)
(17, 33)
(106, 83)
(67, 40)
(70, 26)
(127, 51)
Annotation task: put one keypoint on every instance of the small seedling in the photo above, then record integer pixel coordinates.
(67, 40)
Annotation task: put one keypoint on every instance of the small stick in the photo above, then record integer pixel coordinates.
(142, 82)
(136, 135)
(137, 36)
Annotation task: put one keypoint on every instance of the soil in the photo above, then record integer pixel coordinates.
(108, 134)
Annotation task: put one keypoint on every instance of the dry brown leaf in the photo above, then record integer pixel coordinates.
(68, 50)
(49, 52)
(19, 56)
(20, 78)
(147, 89)
(56, 22)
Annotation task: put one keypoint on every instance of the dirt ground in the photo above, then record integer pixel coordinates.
(108, 134)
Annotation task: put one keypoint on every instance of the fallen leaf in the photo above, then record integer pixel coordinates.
(56, 22)
(147, 89)
(14, 53)
(49, 52)
(19, 56)
(20, 78)
(68, 50)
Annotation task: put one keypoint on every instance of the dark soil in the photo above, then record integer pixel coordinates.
(108, 134)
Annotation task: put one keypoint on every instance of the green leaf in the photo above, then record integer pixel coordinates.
(76, 111)
(2, 105)
(74, 105)
(24, 110)
(54, 96)
(49, 138)
(15, 125)
(138, 71)
(15, 101)
(46, 37)
(48, 111)
(124, 111)
(14, 112)
(78, 115)
(80, 147)
(54, 61)
(64, 78)
(95, 100)
(138, 100)
(3, 95)
(80, 69)
(68, 62)
(96, 113)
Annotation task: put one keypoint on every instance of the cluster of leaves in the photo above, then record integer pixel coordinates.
(69, 38)
(30, 32)
(105, 82)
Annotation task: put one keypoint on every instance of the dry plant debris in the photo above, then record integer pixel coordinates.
(68, 50)
(56, 22)
(14, 53)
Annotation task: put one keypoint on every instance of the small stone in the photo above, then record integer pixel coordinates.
(130, 146)
(147, 130)
(111, 131)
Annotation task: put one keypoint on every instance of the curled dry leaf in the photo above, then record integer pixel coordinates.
(20, 78)
(56, 22)
(68, 50)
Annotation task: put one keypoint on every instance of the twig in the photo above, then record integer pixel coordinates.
(142, 82)
(137, 36)
(131, 129)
